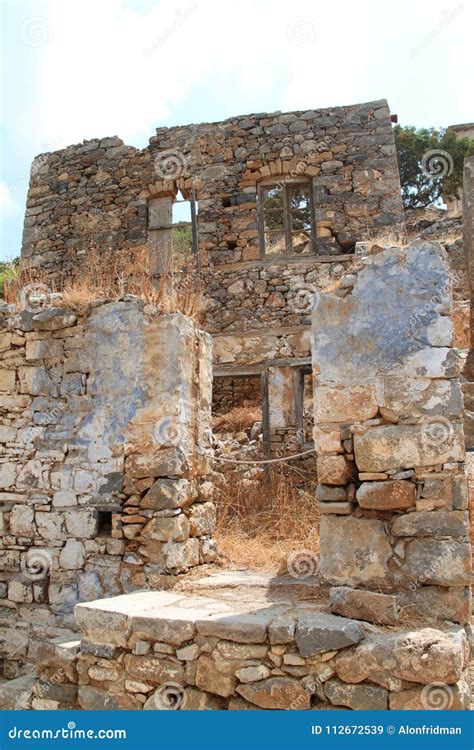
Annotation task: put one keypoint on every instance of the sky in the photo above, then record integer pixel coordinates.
(71, 71)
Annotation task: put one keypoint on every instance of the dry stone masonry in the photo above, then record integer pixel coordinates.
(389, 435)
(104, 446)
(105, 194)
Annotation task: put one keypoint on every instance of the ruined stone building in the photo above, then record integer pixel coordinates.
(281, 201)
(106, 440)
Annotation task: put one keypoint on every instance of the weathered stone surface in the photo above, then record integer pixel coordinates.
(242, 628)
(215, 675)
(174, 529)
(364, 605)
(276, 693)
(380, 323)
(435, 697)
(202, 519)
(253, 674)
(388, 495)
(442, 562)
(15, 695)
(170, 493)
(422, 656)
(345, 404)
(407, 446)
(358, 697)
(335, 470)
(432, 524)
(93, 699)
(154, 668)
(364, 560)
(452, 603)
(317, 633)
(331, 494)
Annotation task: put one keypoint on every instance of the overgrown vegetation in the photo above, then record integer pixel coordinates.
(261, 526)
(107, 276)
(7, 271)
(430, 161)
(182, 238)
(237, 419)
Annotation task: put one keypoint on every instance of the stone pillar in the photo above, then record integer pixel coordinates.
(389, 437)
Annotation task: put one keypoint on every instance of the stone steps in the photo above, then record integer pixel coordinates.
(15, 695)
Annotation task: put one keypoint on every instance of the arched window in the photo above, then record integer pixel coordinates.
(286, 217)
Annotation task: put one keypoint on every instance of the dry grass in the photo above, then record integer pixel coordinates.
(260, 529)
(104, 276)
(239, 418)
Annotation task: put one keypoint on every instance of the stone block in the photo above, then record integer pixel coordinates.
(153, 668)
(7, 380)
(215, 675)
(345, 404)
(283, 693)
(438, 562)
(22, 520)
(423, 656)
(72, 555)
(441, 603)
(168, 462)
(357, 697)
(325, 494)
(407, 446)
(335, 470)
(202, 519)
(242, 628)
(174, 529)
(317, 633)
(440, 523)
(387, 495)
(170, 493)
(179, 556)
(364, 605)
(353, 550)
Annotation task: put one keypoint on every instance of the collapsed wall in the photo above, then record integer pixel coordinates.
(389, 436)
(105, 438)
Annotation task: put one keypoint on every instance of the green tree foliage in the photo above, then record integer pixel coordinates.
(7, 270)
(182, 238)
(430, 161)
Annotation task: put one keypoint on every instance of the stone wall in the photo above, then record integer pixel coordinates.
(106, 197)
(389, 436)
(104, 440)
(169, 650)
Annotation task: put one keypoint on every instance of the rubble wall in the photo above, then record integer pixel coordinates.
(104, 440)
(169, 651)
(389, 436)
(98, 194)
